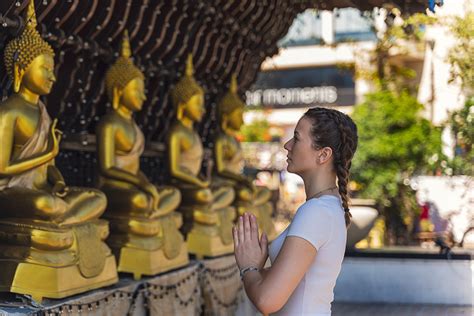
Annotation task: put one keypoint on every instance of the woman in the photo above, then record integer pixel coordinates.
(306, 258)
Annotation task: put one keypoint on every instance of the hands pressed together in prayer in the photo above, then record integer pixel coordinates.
(249, 249)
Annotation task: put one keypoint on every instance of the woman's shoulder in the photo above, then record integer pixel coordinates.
(323, 204)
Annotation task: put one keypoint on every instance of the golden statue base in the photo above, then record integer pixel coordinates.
(204, 245)
(149, 262)
(42, 281)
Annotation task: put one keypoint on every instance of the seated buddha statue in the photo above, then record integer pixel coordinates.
(144, 227)
(207, 209)
(51, 237)
(229, 163)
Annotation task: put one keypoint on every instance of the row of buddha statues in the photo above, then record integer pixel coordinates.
(57, 240)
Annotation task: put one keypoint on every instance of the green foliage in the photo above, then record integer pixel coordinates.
(462, 126)
(256, 131)
(398, 39)
(461, 56)
(395, 143)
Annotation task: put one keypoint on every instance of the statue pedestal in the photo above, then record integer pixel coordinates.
(145, 262)
(41, 281)
(140, 244)
(46, 261)
(204, 245)
(212, 240)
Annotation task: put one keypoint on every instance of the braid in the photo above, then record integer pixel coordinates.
(335, 129)
(342, 179)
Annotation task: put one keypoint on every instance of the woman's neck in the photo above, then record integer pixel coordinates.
(316, 185)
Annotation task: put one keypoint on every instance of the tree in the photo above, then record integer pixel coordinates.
(395, 143)
(256, 131)
(461, 56)
(461, 122)
(462, 127)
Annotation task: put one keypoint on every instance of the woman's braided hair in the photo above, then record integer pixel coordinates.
(334, 129)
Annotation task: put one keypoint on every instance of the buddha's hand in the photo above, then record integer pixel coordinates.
(55, 137)
(60, 188)
(248, 182)
(204, 183)
(250, 251)
(149, 188)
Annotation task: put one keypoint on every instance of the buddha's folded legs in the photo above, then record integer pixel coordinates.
(128, 202)
(84, 205)
(19, 202)
(262, 195)
(191, 195)
(170, 197)
(77, 206)
(223, 196)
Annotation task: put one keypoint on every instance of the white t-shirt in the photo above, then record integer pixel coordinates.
(321, 222)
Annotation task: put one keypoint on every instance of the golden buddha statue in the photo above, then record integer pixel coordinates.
(229, 163)
(51, 237)
(206, 208)
(144, 227)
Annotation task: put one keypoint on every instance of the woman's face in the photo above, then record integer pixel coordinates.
(301, 153)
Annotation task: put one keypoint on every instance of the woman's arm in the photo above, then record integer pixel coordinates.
(269, 291)
(266, 290)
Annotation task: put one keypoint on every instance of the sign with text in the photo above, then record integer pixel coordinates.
(303, 87)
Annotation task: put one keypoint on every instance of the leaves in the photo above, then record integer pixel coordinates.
(395, 142)
(461, 56)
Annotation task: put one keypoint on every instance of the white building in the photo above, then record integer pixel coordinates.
(307, 70)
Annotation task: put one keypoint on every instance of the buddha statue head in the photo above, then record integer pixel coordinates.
(188, 95)
(231, 108)
(124, 81)
(29, 60)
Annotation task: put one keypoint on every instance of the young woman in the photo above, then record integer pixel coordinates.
(306, 258)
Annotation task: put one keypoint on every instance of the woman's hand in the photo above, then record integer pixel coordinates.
(249, 250)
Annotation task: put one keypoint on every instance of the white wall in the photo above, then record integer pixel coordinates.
(412, 281)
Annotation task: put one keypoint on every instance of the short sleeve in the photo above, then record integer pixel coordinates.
(312, 222)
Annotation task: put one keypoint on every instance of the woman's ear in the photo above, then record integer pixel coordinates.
(325, 155)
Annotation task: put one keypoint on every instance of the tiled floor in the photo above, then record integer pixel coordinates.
(352, 309)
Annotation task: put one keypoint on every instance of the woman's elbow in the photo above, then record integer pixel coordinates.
(268, 305)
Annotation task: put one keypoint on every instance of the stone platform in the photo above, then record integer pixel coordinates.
(208, 286)
(407, 275)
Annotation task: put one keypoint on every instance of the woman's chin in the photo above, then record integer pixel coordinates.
(289, 167)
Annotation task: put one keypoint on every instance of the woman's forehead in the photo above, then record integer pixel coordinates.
(303, 126)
